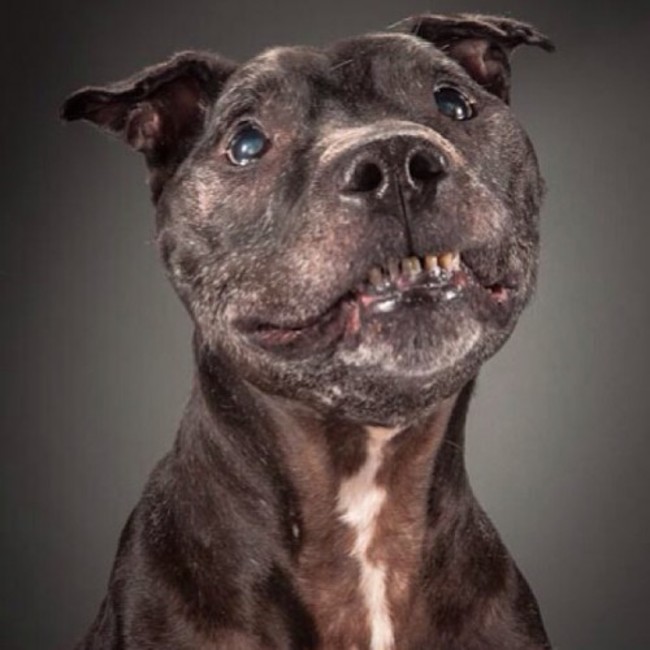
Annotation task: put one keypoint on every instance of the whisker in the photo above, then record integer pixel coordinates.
(341, 64)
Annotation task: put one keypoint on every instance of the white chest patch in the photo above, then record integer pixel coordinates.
(360, 501)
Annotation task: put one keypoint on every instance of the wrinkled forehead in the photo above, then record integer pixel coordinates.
(348, 71)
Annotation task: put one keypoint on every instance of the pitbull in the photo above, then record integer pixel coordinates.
(353, 231)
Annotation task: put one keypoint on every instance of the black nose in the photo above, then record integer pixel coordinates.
(412, 164)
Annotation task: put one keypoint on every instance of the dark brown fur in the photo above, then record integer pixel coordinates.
(238, 541)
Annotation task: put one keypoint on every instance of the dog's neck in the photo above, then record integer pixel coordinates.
(353, 505)
(322, 455)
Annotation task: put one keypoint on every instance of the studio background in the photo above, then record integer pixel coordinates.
(96, 356)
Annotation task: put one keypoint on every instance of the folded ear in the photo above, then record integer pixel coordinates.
(160, 111)
(481, 44)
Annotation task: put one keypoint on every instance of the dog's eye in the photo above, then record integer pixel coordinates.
(247, 145)
(453, 103)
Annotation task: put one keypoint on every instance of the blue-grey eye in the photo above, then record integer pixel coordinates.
(453, 103)
(247, 145)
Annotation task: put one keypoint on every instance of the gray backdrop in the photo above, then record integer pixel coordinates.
(97, 367)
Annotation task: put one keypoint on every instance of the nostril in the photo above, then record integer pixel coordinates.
(365, 177)
(424, 167)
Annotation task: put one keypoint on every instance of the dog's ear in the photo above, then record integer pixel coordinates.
(160, 111)
(481, 44)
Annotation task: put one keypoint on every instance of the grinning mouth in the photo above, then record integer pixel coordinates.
(441, 277)
(413, 280)
(432, 280)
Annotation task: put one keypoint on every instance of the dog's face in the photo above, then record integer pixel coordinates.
(353, 227)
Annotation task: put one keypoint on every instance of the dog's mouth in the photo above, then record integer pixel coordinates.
(432, 279)
(432, 283)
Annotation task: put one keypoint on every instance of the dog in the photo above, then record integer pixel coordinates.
(353, 231)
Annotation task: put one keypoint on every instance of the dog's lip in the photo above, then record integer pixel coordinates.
(257, 325)
(342, 315)
(318, 332)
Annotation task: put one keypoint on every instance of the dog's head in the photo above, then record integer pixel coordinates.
(354, 227)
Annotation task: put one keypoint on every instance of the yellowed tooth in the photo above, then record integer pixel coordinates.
(375, 276)
(455, 263)
(430, 262)
(411, 266)
(393, 269)
(446, 260)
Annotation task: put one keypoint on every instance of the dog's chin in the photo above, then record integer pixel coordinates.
(386, 356)
(401, 367)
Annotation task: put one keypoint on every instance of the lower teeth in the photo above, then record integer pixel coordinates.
(434, 279)
(388, 303)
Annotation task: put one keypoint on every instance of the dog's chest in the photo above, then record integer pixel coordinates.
(358, 573)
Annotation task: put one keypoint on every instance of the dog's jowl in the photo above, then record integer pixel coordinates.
(353, 231)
